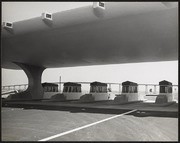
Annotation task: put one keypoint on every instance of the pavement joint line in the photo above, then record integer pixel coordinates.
(82, 127)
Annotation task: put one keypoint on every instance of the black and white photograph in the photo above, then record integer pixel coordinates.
(89, 71)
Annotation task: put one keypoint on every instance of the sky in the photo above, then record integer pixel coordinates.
(142, 73)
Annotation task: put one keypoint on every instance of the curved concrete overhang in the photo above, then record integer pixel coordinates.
(127, 32)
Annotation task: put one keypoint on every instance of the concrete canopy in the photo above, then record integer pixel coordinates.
(128, 32)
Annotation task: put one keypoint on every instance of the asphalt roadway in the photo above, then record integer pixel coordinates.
(46, 123)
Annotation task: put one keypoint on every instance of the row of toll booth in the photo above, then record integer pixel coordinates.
(99, 92)
(130, 93)
(72, 91)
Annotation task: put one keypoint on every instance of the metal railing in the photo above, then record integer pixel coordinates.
(149, 88)
(14, 87)
(145, 91)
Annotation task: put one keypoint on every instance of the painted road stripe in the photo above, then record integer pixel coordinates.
(68, 132)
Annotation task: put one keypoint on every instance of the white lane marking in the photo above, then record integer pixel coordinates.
(76, 129)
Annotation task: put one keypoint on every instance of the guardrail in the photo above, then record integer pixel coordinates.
(145, 91)
(8, 92)
(15, 87)
(148, 88)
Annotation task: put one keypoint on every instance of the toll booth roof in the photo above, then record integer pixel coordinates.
(48, 84)
(165, 82)
(129, 83)
(71, 84)
(98, 84)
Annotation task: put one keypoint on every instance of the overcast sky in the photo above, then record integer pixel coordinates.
(138, 72)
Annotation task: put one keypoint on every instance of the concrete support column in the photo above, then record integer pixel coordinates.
(35, 89)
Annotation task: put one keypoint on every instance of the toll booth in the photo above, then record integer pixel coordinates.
(129, 87)
(165, 87)
(129, 93)
(49, 89)
(98, 92)
(165, 92)
(71, 91)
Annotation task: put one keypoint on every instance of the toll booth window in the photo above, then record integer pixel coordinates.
(65, 89)
(48, 15)
(100, 89)
(9, 24)
(45, 89)
(125, 89)
(136, 91)
(48, 89)
(101, 4)
(170, 90)
(129, 89)
(165, 89)
(93, 89)
(79, 89)
(96, 89)
(132, 89)
(75, 89)
(103, 89)
(162, 89)
(54, 89)
(70, 89)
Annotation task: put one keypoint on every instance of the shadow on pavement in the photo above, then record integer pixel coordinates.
(155, 114)
(138, 113)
